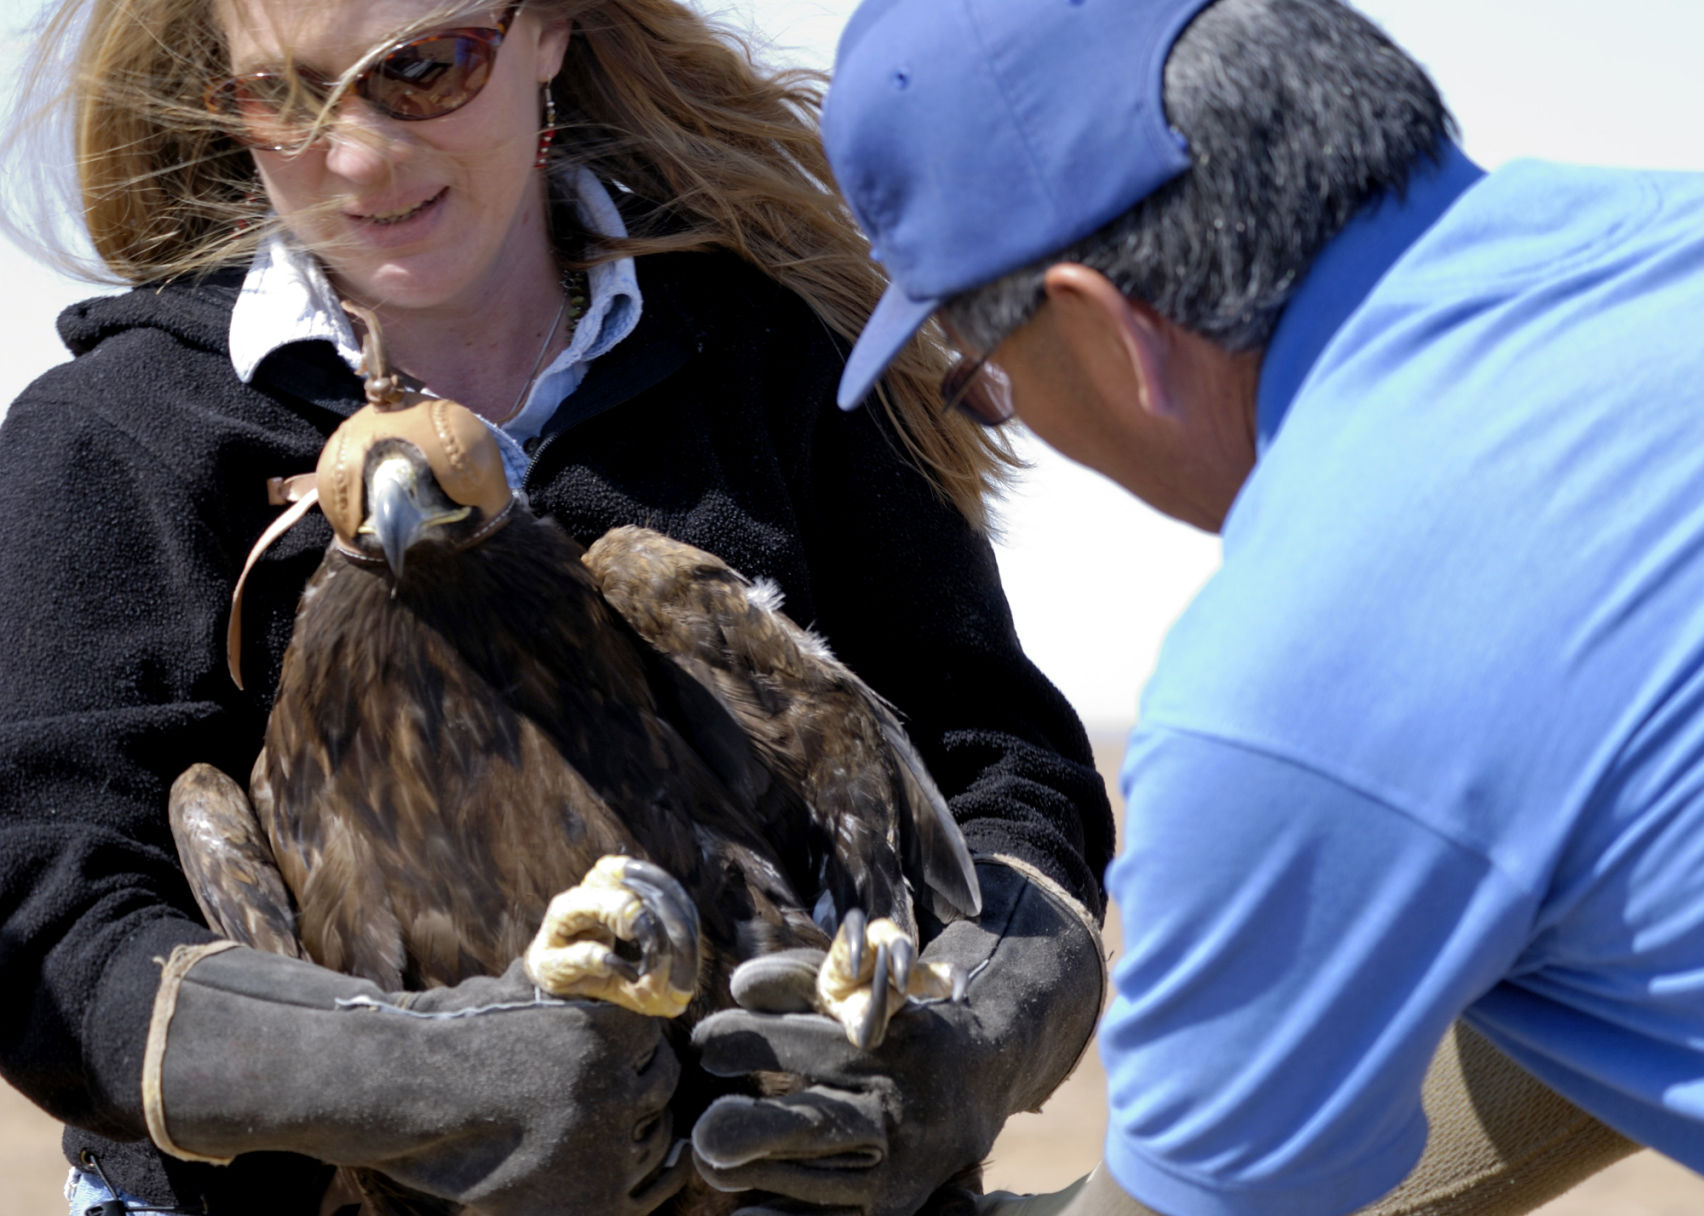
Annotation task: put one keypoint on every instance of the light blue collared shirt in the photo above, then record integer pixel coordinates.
(287, 298)
(1431, 742)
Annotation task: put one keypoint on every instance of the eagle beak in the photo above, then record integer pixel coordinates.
(394, 510)
(396, 513)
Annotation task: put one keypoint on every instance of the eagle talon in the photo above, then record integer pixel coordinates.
(667, 928)
(870, 972)
(872, 1027)
(960, 981)
(854, 929)
(621, 899)
(902, 955)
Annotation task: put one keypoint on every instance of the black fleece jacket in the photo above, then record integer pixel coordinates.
(132, 484)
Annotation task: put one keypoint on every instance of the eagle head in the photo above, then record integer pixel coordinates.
(427, 472)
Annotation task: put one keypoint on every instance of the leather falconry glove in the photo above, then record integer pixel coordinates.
(1501, 1144)
(484, 1093)
(878, 1131)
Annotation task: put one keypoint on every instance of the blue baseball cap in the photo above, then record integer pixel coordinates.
(972, 137)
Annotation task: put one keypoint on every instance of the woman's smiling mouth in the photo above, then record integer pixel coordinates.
(386, 219)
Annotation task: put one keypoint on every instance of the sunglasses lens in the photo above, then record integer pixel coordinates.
(424, 79)
(430, 78)
(957, 381)
(989, 397)
(978, 389)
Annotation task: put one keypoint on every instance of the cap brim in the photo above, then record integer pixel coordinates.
(894, 322)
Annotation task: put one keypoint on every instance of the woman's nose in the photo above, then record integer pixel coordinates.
(360, 145)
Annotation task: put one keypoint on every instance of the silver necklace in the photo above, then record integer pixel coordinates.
(549, 337)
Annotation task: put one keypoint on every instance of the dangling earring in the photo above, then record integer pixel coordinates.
(547, 136)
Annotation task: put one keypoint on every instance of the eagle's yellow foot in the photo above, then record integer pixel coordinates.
(870, 971)
(622, 900)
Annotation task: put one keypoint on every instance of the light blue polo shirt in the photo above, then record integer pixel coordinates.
(1431, 743)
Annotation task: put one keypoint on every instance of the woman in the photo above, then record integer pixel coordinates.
(599, 226)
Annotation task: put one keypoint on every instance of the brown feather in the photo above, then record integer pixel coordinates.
(449, 750)
(876, 814)
(229, 864)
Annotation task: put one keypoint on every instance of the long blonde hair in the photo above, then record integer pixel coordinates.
(652, 97)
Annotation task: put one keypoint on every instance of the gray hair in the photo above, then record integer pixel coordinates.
(1297, 112)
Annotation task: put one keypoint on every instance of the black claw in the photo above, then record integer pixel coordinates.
(650, 872)
(853, 925)
(679, 913)
(873, 1028)
(648, 933)
(669, 924)
(904, 957)
(671, 918)
(683, 967)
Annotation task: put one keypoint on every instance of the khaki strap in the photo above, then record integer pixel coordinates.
(277, 490)
(165, 1005)
(1501, 1143)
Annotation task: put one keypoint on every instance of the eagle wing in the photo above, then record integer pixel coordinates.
(878, 816)
(229, 864)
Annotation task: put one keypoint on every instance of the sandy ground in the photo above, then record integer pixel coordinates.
(1036, 1152)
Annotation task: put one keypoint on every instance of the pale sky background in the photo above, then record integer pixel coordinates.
(1095, 578)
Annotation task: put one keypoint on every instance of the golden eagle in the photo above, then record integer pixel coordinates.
(474, 710)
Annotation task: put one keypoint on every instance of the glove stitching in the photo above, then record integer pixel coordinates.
(372, 1003)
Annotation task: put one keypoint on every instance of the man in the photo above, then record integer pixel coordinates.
(1431, 744)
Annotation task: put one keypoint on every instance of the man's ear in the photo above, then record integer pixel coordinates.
(1122, 342)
